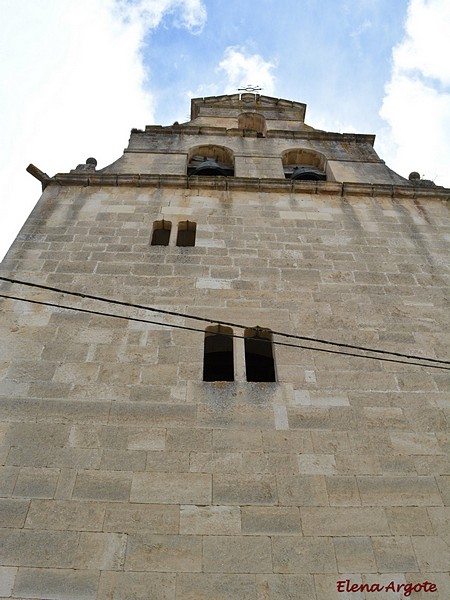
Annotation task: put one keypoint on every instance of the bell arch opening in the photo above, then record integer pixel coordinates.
(304, 165)
(207, 161)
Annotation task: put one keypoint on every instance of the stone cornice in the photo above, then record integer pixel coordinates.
(303, 134)
(250, 185)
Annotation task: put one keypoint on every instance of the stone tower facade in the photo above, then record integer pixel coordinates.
(192, 451)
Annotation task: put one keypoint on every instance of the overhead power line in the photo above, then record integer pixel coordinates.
(174, 313)
(259, 340)
(217, 321)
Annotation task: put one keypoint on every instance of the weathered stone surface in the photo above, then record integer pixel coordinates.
(271, 520)
(352, 521)
(56, 584)
(211, 586)
(171, 488)
(237, 554)
(65, 515)
(164, 553)
(244, 489)
(139, 586)
(303, 555)
(210, 520)
(125, 476)
(138, 518)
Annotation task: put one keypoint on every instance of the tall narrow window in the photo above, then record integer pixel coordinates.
(259, 362)
(186, 233)
(161, 233)
(218, 363)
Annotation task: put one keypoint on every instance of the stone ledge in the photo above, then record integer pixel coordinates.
(250, 184)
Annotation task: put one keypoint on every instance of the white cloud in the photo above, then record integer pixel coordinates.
(417, 101)
(237, 69)
(242, 68)
(73, 85)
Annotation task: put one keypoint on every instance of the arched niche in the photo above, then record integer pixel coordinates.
(210, 160)
(303, 164)
(253, 122)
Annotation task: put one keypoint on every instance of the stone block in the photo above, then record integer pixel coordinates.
(123, 460)
(164, 553)
(36, 483)
(210, 520)
(409, 520)
(28, 548)
(103, 485)
(271, 520)
(337, 521)
(7, 577)
(65, 515)
(432, 552)
(237, 440)
(63, 458)
(244, 489)
(141, 518)
(211, 586)
(101, 551)
(440, 519)
(330, 442)
(342, 491)
(56, 584)
(138, 586)
(316, 464)
(415, 443)
(355, 555)
(13, 512)
(285, 587)
(394, 554)
(444, 488)
(287, 441)
(37, 434)
(169, 462)
(303, 555)
(326, 587)
(162, 415)
(189, 439)
(302, 490)
(171, 488)
(237, 554)
(399, 491)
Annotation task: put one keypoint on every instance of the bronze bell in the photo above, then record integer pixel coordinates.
(209, 167)
(308, 174)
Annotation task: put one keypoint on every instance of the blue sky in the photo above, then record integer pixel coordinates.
(77, 75)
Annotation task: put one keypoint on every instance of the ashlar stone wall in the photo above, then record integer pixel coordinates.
(124, 475)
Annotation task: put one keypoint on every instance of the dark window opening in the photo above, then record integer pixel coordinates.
(186, 233)
(161, 233)
(218, 362)
(259, 361)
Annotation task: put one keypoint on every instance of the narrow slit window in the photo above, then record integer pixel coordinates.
(259, 360)
(186, 233)
(161, 233)
(218, 362)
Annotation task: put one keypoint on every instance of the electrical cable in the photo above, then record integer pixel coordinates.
(184, 327)
(230, 324)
